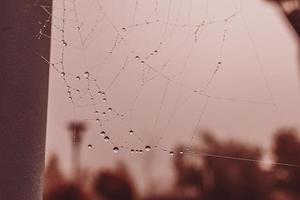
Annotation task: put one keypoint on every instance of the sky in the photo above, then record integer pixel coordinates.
(169, 69)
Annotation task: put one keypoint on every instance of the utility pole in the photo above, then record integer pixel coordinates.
(23, 97)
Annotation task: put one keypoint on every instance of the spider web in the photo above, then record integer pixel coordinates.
(134, 68)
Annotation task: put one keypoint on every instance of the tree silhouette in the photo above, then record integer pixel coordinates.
(222, 176)
(56, 187)
(232, 178)
(114, 185)
(286, 150)
(224, 170)
(53, 175)
(189, 178)
(67, 191)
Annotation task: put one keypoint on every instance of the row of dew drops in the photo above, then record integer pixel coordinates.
(106, 138)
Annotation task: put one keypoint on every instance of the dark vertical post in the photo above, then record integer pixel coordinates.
(23, 97)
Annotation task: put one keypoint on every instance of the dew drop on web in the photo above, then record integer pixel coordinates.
(116, 149)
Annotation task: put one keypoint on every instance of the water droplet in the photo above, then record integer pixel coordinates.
(148, 148)
(106, 138)
(109, 109)
(131, 132)
(97, 120)
(99, 92)
(171, 153)
(103, 113)
(96, 112)
(90, 146)
(78, 78)
(140, 151)
(115, 149)
(77, 91)
(70, 98)
(64, 43)
(219, 63)
(143, 62)
(132, 151)
(86, 74)
(102, 133)
(124, 29)
(181, 152)
(62, 74)
(137, 57)
(104, 99)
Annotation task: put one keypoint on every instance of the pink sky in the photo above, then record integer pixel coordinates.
(258, 69)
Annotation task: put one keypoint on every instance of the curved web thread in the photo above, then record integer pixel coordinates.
(75, 33)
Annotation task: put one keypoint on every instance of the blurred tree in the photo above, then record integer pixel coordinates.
(114, 185)
(221, 176)
(53, 175)
(226, 170)
(56, 187)
(188, 175)
(286, 150)
(232, 178)
(67, 191)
